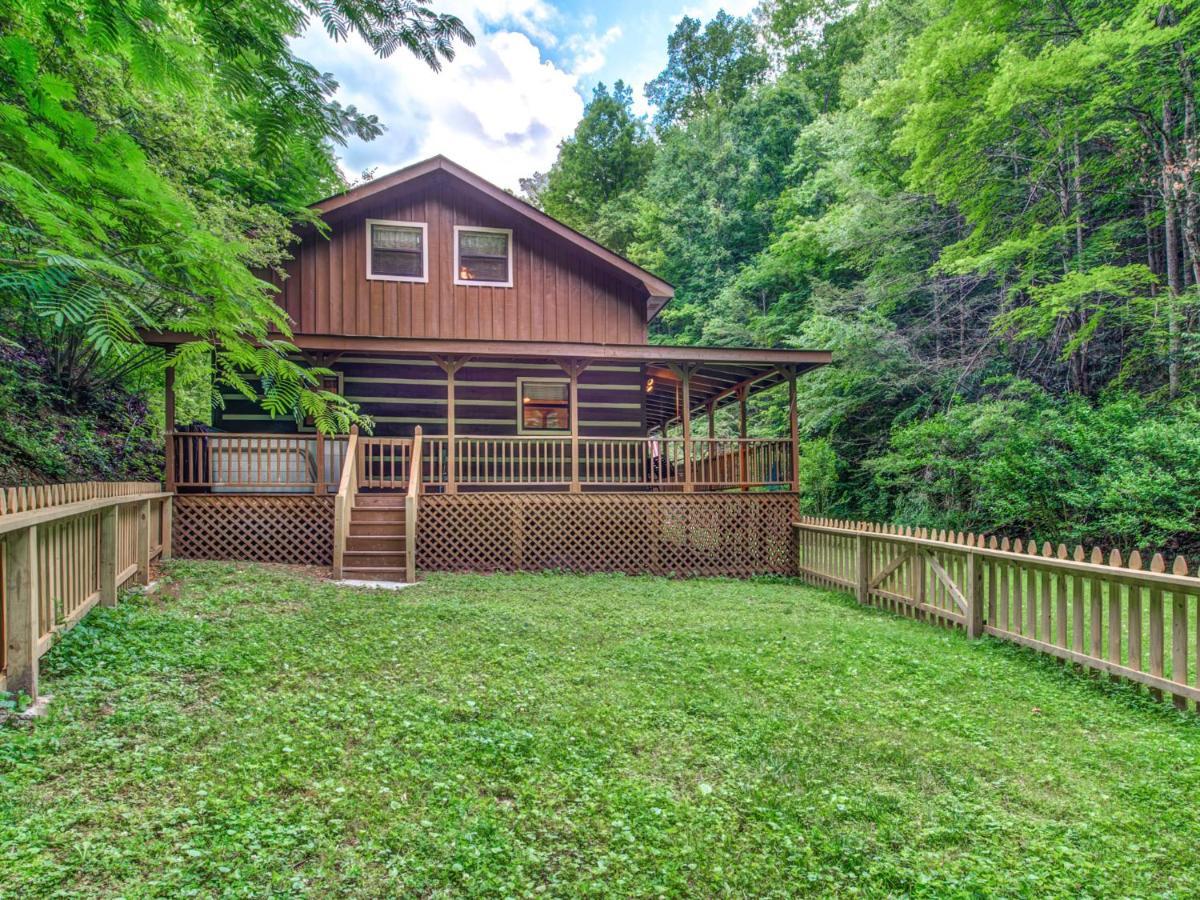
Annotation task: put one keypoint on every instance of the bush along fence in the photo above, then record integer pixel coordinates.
(1108, 613)
(67, 547)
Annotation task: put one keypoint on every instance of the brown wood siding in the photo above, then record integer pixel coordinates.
(401, 393)
(559, 293)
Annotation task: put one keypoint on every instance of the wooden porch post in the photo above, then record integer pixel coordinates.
(169, 425)
(712, 422)
(742, 392)
(450, 365)
(685, 419)
(794, 427)
(574, 368)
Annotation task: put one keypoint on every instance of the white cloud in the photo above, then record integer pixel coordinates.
(533, 17)
(590, 50)
(503, 110)
(499, 108)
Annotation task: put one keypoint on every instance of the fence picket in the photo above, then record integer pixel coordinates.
(62, 561)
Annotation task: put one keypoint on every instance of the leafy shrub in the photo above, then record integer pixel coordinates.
(1119, 471)
(818, 476)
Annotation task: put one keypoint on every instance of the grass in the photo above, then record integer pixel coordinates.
(262, 733)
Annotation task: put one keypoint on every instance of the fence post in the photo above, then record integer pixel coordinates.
(108, 555)
(862, 576)
(796, 549)
(143, 543)
(21, 610)
(974, 596)
(168, 522)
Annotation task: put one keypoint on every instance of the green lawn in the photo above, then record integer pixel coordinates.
(255, 732)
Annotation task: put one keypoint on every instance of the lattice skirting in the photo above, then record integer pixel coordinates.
(263, 528)
(735, 534)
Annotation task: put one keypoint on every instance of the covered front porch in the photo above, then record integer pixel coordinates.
(673, 443)
(654, 470)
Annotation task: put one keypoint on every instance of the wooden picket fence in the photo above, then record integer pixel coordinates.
(42, 496)
(1103, 611)
(67, 547)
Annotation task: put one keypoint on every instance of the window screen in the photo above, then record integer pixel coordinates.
(545, 406)
(397, 251)
(483, 256)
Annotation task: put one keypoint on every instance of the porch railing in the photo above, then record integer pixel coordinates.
(275, 463)
(538, 461)
(384, 462)
(266, 463)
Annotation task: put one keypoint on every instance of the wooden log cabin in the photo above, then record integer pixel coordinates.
(521, 418)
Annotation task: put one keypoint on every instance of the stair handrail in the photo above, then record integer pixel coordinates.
(411, 502)
(344, 501)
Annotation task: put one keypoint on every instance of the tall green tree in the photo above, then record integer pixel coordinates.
(988, 210)
(711, 66)
(592, 186)
(153, 155)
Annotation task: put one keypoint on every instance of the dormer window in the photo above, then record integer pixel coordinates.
(397, 251)
(483, 256)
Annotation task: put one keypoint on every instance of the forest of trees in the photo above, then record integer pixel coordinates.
(987, 209)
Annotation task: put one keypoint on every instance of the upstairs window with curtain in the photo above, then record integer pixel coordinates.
(397, 251)
(483, 256)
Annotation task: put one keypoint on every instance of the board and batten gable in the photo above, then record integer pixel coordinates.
(560, 292)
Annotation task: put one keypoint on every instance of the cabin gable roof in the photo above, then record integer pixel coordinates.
(658, 291)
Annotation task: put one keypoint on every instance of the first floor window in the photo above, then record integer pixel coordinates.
(545, 405)
(483, 256)
(396, 251)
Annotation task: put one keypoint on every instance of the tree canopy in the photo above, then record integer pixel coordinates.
(154, 156)
(599, 169)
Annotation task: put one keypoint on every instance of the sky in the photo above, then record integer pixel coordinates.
(501, 107)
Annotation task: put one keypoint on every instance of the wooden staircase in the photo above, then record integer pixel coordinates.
(374, 523)
(376, 545)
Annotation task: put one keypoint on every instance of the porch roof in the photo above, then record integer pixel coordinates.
(717, 373)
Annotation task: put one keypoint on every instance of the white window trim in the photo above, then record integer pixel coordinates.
(555, 432)
(412, 279)
(476, 282)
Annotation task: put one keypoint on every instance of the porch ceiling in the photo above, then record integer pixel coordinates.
(711, 383)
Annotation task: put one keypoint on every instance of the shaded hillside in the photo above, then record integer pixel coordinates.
(44, 437)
